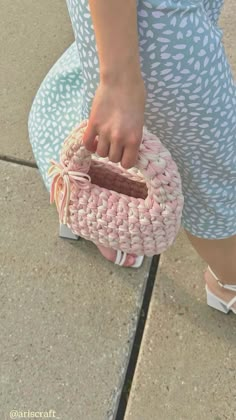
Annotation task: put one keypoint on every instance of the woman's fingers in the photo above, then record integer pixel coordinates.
(103, 145)
(89, 138)
(112, 147)
(131, 151)
(116, 150)
(107, 146)
(130, 155)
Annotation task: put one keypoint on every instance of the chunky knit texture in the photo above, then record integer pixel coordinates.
(136, 210)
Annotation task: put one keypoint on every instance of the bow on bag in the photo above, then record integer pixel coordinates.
(63, 178)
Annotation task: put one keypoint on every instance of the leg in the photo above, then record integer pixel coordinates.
(220, 255)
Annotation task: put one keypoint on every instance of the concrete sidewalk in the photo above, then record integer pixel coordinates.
(186, 368)
(68, 317)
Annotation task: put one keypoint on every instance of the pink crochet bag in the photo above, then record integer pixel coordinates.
(135, 211)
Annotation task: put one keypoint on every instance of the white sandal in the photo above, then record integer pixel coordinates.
(217, 303)
(65, 232)
(121, 259)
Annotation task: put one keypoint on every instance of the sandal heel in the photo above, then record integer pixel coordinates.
(66, 233)
(215, 303)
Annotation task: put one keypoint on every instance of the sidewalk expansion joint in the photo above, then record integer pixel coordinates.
(18, 161)
(120, 413)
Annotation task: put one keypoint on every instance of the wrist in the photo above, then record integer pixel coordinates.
(122, 77)
(124, 68)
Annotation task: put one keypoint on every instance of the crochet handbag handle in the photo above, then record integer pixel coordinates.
(75, 161)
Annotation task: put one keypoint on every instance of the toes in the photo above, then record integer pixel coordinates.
(130, 260)
(111, 255)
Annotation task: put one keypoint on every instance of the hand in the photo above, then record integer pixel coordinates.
(117, 118)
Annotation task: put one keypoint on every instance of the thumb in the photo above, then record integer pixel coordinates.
(89, 138)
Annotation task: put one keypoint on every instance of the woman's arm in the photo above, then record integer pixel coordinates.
(117, 113)
(115, 26)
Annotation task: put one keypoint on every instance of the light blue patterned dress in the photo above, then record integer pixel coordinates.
(191, 102)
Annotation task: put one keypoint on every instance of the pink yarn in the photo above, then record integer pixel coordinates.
(136, 210)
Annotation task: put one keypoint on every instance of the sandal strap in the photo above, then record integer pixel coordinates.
(231, 302)
(118, 255)
(231, 287)
(123, 258)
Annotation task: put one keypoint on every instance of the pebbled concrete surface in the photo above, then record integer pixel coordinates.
(68, 316)
(33, 35)
(186, 366)
(227, 23)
